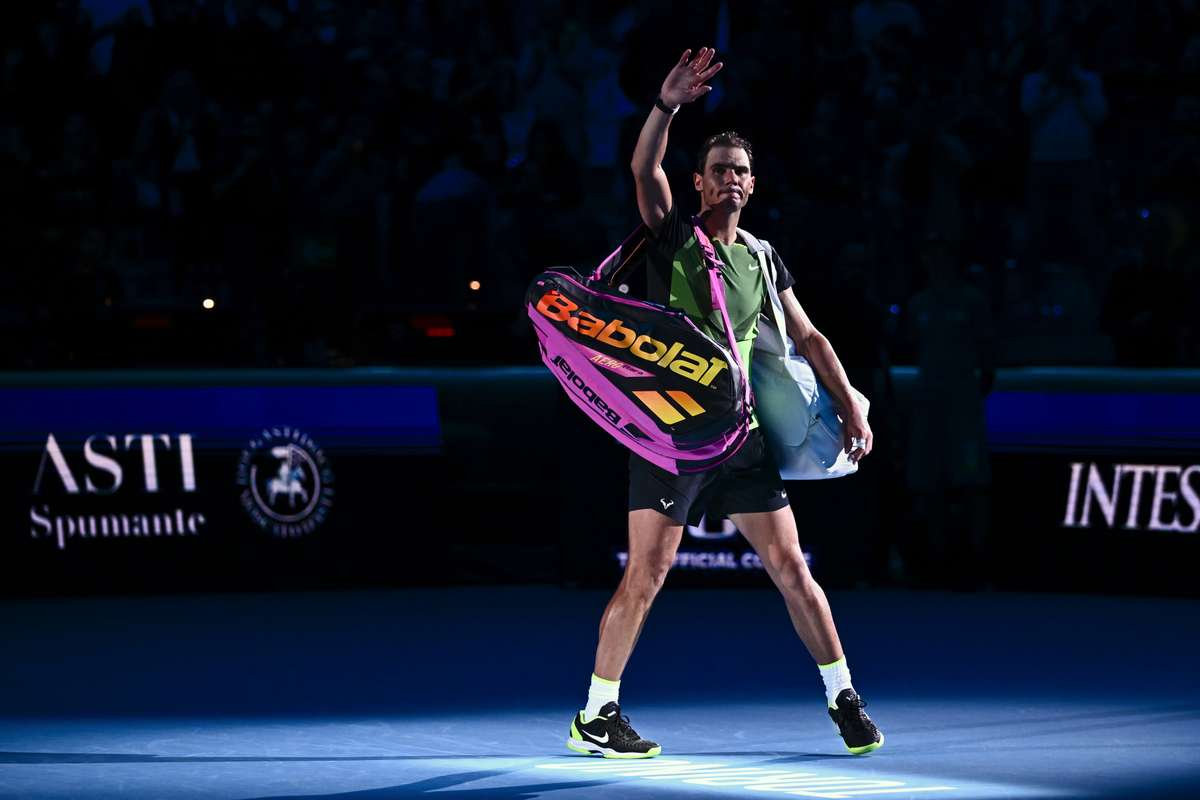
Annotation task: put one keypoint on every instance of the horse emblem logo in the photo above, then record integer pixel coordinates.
(287, 484)
(290, 480)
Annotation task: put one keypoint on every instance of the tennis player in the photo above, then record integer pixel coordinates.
(747, 488)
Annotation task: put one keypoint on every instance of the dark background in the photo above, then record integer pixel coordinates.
(371, 186)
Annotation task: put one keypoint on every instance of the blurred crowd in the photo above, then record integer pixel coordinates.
(320, 183)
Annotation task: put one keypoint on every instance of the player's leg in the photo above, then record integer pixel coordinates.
(600, 728)
(653, 541)
(774, 537)
(753, 495)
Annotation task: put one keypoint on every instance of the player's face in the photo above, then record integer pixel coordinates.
(726, 183)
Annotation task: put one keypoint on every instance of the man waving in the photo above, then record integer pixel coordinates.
(747, 488)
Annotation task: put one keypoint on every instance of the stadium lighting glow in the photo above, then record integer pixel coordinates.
(208, 303)
(753, 778)
(474, 286)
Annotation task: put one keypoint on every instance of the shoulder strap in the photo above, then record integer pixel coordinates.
(716, 285)
(610, 269)
(762, 249)
(753, 243)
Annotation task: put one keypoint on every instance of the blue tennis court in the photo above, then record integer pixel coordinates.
(467, 693)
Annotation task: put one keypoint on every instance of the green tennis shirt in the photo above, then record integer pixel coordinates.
(677, 276)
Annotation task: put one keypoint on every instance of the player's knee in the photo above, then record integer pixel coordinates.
(646, 579)
(657, 574)
(795, 577)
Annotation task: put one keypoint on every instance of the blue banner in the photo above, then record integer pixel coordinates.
(373, 418)
(1088, 422)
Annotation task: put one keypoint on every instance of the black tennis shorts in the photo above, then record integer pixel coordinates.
(747, 483)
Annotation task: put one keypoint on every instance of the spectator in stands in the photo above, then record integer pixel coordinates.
(873, 17)
(950, 325)
(1065, 103)
(78, 175)
(923, 174)
(546, 191)
(413, 75)
(1010, 45)
(175, 147)
(174, 156)
(456, 193)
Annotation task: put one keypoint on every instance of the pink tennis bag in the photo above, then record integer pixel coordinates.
(644, 372)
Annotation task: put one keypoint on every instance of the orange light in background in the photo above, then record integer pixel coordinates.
(474, 286)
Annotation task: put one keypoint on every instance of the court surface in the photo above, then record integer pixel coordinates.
(467, 693)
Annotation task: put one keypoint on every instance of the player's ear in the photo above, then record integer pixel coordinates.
(697, 180)
(750, 186)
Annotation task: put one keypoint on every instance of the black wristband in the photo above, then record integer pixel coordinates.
(663, 107)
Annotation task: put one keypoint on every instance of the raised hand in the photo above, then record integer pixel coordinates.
(686, 81)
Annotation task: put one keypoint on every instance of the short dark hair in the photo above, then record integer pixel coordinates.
(723, 139)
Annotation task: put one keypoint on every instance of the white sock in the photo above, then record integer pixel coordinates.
(836, 677)
(600, 693)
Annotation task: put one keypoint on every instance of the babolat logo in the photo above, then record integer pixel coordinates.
(615, 333)
(587, 391)
(665, 410)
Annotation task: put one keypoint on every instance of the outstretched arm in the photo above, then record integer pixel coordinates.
(684, 84)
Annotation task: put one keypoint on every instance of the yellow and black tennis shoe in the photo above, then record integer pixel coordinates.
(858, 731)
(609, 735)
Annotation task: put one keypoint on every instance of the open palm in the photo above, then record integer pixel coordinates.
(686, 80)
